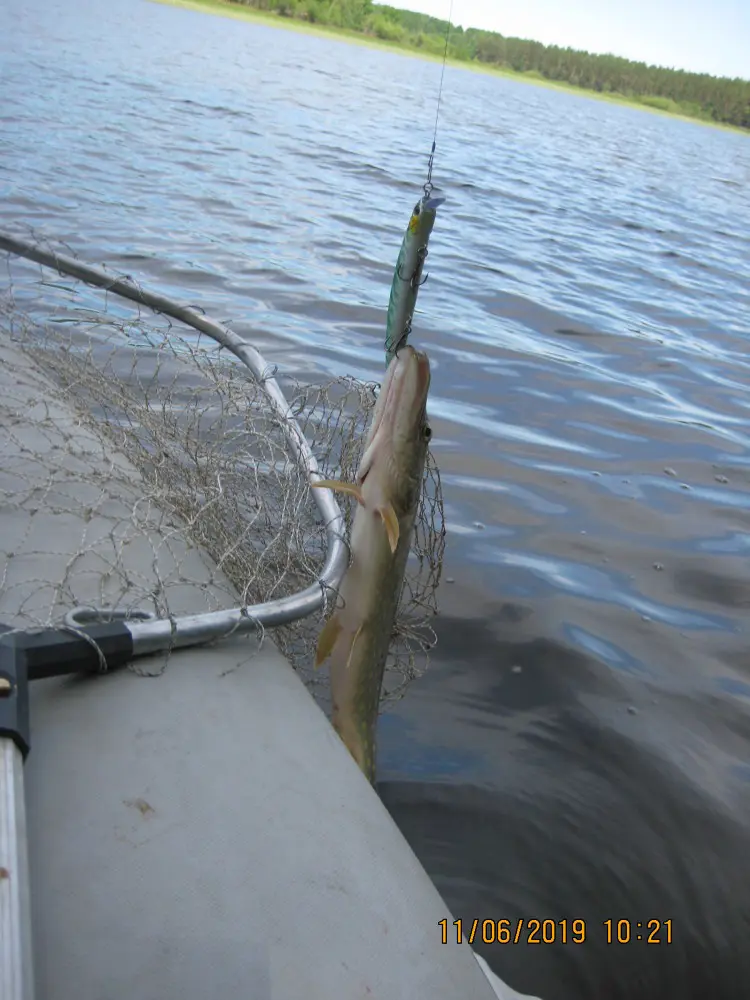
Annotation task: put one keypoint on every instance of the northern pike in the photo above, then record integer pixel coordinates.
(387, 487)
(407, 277)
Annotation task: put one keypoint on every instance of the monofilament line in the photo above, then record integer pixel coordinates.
(428, 185)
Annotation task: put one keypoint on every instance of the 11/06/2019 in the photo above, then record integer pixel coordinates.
(525, 930)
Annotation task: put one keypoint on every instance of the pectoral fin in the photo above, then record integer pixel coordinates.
(327, 639)
(336, 484)
(354, 643)
(330, 635)
(391, 524)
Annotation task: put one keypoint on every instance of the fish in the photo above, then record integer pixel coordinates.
(407, 277)
(387, 487)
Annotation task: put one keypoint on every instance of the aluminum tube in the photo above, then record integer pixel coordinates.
(16, 969)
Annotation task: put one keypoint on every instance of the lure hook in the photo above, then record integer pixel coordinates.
(421, 258)
(414, 279)
(402, 339)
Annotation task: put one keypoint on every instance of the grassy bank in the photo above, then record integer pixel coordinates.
(428, 49)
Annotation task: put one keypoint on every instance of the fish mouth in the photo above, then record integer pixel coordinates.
(408, 376)
(406, 383)
(387, 393)
(423, 371)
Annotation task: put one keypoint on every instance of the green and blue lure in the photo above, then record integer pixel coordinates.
(407, 278)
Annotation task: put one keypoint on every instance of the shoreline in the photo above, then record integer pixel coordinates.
(225, 8)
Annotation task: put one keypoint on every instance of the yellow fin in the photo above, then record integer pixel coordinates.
(391, 524)
(336, 484)
(327, 639)
(354, 643)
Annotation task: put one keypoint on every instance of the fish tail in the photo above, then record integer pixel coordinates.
(360, 745)
(338, 640)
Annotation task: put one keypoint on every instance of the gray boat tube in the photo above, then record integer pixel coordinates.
(207, 833)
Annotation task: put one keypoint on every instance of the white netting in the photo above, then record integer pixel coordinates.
(158, 448)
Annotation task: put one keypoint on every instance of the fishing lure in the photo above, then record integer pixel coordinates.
(407, 278)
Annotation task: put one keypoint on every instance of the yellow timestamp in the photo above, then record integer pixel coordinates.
(648, 931)
(522, 930)
(530, 930)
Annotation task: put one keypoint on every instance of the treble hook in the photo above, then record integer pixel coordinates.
(413, 280)
(402, 339)
(422, 257)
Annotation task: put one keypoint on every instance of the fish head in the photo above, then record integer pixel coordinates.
(423, 217)
(399, 432)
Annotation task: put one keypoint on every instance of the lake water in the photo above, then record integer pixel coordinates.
(580, 747)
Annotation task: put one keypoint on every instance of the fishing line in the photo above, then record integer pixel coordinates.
(428, 185)
(408, 278)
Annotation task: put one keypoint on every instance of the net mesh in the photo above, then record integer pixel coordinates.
(158, 448)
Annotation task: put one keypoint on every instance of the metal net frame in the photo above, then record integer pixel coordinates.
(179, 449)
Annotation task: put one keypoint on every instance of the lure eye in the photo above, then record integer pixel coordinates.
(417, 208)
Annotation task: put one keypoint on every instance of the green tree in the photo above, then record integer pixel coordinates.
(696, 94)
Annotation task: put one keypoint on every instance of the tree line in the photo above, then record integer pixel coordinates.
(698, 95)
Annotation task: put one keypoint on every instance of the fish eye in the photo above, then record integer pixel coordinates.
(427, 432)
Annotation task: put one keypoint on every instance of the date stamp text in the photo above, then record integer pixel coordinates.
(532, 930)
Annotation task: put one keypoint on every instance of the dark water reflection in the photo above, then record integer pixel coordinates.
(580, 747)
(576, 782)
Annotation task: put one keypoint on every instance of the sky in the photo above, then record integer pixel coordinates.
(705, 36)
